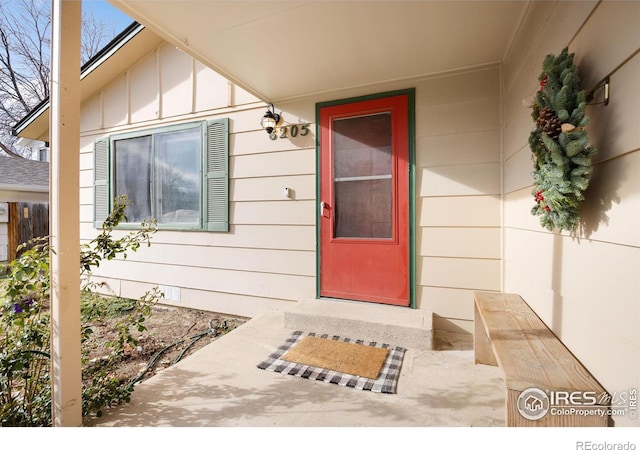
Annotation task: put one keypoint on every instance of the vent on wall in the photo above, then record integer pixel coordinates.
(171, 293)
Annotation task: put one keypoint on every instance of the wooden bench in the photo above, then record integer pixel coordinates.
(510, 335)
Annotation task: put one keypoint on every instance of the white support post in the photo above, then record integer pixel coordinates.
(66, 366)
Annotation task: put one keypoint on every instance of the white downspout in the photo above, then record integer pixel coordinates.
(66, 366)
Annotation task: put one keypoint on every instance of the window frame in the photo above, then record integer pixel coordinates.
(214, 154)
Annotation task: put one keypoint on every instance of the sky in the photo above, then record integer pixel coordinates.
(112, 16)
(101, 9)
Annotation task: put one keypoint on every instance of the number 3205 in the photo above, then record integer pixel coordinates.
(290, 131)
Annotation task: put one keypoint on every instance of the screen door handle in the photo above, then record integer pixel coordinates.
(324, 210)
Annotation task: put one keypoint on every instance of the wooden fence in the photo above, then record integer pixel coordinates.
(26, 221)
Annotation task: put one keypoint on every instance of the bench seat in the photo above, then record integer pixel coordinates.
(510, 335)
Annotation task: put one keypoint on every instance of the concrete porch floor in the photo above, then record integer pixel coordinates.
(220, 385)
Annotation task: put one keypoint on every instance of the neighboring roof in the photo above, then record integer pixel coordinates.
(113, 59)
(17, 174)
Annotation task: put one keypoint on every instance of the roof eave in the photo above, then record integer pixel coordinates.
(87, 68)
(24, 188)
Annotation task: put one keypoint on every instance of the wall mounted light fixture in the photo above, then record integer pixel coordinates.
(270, 119)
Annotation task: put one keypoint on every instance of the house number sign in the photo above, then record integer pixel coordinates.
(290, 131)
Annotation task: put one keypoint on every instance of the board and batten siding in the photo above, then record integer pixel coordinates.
(267, 259)
(585, 288)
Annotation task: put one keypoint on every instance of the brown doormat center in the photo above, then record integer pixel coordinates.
(353, 359)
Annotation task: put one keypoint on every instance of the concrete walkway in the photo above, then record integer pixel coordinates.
(220, 386)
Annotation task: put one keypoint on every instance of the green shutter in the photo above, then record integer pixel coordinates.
(101, 201)
(216, 176)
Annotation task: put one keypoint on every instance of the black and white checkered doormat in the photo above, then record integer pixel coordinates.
(386, 382)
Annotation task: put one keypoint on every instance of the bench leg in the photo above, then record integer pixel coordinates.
(481, 343)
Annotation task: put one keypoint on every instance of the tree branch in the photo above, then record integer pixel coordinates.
(10, 152)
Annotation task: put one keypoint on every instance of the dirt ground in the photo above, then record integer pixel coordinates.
(172, 335)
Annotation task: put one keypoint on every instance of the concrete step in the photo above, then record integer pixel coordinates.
(394, 325)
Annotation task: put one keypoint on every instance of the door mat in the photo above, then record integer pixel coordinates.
(346, 357)
(312, 360)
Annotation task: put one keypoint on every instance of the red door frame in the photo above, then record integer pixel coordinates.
(359, 269)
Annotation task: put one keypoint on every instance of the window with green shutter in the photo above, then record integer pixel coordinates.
(177, 175)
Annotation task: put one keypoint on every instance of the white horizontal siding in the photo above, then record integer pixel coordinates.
(240, 236)
(460, 180)
(233, 304)
(458, 209)
(293, 162)
(240, 282)
(472, 211)
(479, 147)
(268, 256)
(301, 187)
(584, 287)
(459, 242)
(293, 262)
(466, 273)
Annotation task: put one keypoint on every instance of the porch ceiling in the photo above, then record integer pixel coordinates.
(281, 50)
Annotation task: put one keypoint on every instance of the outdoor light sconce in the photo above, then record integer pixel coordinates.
(270, 119)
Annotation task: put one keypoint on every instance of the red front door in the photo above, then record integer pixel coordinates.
(364, 200)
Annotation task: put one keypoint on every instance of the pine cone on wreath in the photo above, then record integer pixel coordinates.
(550, 124)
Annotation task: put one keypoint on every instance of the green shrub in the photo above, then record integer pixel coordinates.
(25, 387)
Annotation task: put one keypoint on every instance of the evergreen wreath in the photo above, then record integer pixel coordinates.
(560, 146)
